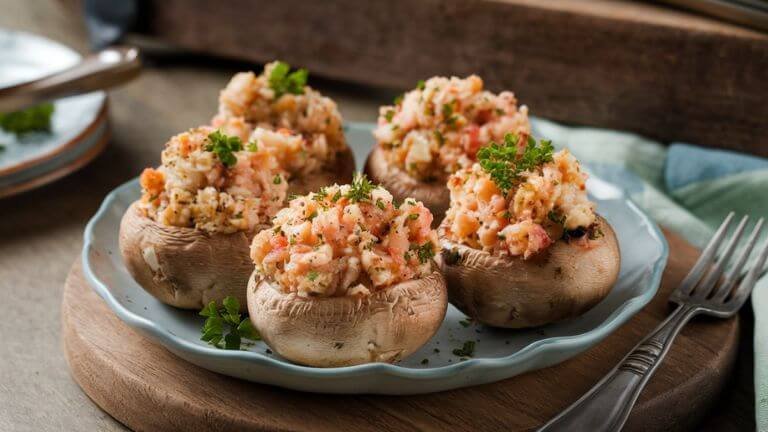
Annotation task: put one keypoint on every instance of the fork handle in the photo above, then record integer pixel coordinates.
(608, 404)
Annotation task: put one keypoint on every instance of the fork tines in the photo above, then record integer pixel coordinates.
(701, 284)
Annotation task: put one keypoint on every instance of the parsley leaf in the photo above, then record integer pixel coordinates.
(312, 275)
(277, 179)
(224, 146)
(421, 84)
(424, 252)
(34, 119)
(504, 166)
(283, 81)
(466, 350)
(217, 318)
(361, 188)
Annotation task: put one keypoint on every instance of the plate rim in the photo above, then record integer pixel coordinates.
(41, 158)
(538, 348)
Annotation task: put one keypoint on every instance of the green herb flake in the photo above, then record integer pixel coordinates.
(225, 324)
(34, 119)
(361, 188)
(282, 80)
(398, 99)
(421, 84)
(467, 350)
(224, 147)
(277, 180)
(424, 252)
(465, 323)
(312, 275)
(389, 114)
(253, 146)
(380, 204)
(501, 162)
(413, 216)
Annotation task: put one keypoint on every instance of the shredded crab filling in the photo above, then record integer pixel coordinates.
(257, 107)
(346, 240)
(211, 181)
(437, 128)
(542, 203)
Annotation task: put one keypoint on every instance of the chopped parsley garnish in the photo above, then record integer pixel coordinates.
(424, 252)
(466, 350)
(361, 188)
(389, 114)
(283, 81)
(556, 218)
(224, 326)
(277, 180)
(439, 137)
(421, 84)
(380, 204)
(595, 232)
(253, 146)
(312, 275)
(465, 323)
(398, 99)
(447, 111)
(224, 147)
(34, 119)
(503, 164)
(413, 216)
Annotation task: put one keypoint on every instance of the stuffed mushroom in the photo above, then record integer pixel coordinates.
(522, 245)
(267, 107)
(186, 240)
(346, 277)
(435, 130)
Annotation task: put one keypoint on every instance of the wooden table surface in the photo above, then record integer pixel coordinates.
(41, 231)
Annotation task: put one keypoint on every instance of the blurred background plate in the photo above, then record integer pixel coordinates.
(78, 126)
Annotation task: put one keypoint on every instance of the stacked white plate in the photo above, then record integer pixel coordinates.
(79, 129)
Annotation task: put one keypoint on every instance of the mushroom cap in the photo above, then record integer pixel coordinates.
(563, 281)
(184, 267)
(385, 326)
(341, 172)
(434, 195)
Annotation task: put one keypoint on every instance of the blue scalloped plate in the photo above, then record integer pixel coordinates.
(499, 354)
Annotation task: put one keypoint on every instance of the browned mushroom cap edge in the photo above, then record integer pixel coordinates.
(434, 195)
(340, 172)
(562, 282)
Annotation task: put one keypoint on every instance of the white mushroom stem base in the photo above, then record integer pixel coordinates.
(385, 326)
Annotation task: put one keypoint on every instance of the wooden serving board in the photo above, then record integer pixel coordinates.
(148, 389)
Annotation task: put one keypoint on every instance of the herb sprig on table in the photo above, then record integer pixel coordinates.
(224, 146)
(502, 163)
(224, 326)
(34, 119)
(283, 81)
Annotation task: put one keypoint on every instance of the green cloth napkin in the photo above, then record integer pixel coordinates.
(687, 189)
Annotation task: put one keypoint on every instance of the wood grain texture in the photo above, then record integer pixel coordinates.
(147, 388)
(627, 65)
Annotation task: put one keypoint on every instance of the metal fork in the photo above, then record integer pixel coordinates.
(703, 291)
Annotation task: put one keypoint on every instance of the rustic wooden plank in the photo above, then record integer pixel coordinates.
(147, 388)
(660, 72)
